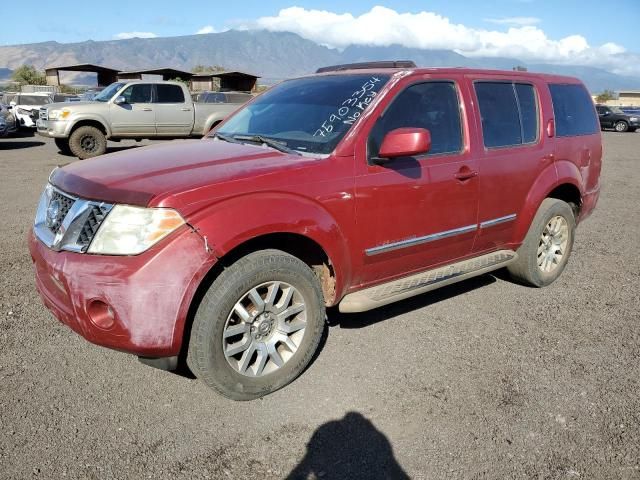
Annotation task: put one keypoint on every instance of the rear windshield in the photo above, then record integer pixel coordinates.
(573, 110)
(309, 114)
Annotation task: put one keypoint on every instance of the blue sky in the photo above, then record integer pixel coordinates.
(588, 32)
(72, 20)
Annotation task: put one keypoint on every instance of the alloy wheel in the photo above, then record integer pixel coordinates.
(553, 244)
(264, 329)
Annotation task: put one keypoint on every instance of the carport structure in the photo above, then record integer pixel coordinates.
(106, 75)
(224, 81)
(165, 73)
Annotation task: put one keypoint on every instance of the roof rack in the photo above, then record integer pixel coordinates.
(365, 65)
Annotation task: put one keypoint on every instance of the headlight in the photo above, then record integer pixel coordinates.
(59, 114)
(131, 230)
(634, 119)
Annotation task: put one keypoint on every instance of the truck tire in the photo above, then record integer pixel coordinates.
(546, 249)
(258, 325)
(621, 126)
(87, 142)
(63, 145)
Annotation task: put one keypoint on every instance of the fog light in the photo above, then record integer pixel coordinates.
(101, 314)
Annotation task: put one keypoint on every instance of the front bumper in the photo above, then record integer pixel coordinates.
(149, 294)
(52, 128)
(6, 130)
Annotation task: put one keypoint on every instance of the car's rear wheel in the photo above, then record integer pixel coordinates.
(545, 251)
(87, 142)
(63, 145)
(621, 126)
(258, 325)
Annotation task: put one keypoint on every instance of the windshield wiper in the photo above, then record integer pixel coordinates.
(225, 138)
(267, 141)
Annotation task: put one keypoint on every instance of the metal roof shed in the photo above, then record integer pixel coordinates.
(165, 73)
(106, 75)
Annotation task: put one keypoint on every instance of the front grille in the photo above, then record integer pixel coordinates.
(44, 114)
(81, 218)
(90, 227)
(65, 203)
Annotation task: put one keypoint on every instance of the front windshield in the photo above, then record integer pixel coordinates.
(307, 114)
(616, 110)
(33, 100)
(108, 93)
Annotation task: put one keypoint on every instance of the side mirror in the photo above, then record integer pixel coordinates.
(120, 100)
(404, 142)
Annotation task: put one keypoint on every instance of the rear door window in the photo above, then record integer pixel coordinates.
(169, 94)
(573, 110)
(431, 105)
(509, 113)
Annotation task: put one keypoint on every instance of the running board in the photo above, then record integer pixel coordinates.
(422, 282)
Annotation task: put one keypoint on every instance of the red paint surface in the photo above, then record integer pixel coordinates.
(232, 193)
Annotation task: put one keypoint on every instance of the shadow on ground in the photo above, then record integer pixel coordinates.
(350, 448)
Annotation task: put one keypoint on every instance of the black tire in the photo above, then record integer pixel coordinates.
(63, 145)
(621, 126)
(87, 142)
(205, 355)
(525, 269)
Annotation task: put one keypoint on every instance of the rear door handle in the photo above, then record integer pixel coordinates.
(465, 174)
(147, 109)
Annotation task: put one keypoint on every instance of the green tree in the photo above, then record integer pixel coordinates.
(28, 75)
(605, 96)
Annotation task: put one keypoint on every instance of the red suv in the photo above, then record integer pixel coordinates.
(358, 186)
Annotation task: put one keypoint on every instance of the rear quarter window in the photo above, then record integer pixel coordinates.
(573, 110)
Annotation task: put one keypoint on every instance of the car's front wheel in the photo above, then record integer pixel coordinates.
(258, 325)
(87, 142)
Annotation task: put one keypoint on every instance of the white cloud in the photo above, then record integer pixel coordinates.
(382, 26)
(516, 21)
(126, 35)
(206, 29)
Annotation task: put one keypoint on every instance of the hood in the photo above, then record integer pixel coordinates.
(69, 105)
(137, 175)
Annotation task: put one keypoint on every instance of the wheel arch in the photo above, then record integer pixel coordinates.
(90, 122)
(561, 180)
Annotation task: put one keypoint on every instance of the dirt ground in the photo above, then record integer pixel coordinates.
(481, 380)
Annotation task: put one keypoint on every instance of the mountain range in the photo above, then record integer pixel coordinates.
(271, 55)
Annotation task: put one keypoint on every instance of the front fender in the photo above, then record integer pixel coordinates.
(556, 174)
(79, 118)
(232, 222)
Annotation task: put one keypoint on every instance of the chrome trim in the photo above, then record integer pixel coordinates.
(411, 242)
(68, 234)
(497, 221)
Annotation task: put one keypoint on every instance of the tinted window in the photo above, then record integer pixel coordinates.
(238, 97)
(431, 105)
(573, 109)
(499, 113)
(528, 111)
(138, 93)
(169, 94)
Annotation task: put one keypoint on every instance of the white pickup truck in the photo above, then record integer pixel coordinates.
(131, 109)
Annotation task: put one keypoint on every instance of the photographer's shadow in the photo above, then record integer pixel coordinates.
(350, 448)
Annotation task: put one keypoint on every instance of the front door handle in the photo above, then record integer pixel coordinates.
(186, 109)
(465, 173)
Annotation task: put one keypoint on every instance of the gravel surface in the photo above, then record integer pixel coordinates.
(484, 379)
